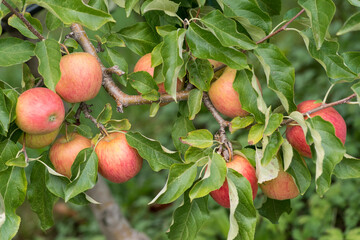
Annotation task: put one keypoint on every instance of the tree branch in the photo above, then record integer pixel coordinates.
(85, 108)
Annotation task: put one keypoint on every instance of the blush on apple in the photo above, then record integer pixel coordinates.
(295, 134)
(39, 111)
(118, 161)
(37, 141)
(81, 77)
(64, 151)
(243, 166)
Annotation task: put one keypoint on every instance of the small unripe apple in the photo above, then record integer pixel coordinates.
(243, 166)
(37, 141)
(224, 97)
(39, 111)
(81, 77)
(295, 134)
(118, 161)
(144, 64)
(280, 188)
(64, 151)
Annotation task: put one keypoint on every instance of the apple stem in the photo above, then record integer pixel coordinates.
(66, 132)
(65, 48)
(23, 150)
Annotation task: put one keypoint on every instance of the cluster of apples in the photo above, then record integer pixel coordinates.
(40, 113)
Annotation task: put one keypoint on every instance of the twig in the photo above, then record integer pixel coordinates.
(24, 20)
(86, 110)
(280, 29)
(116, 70)
(321, 107)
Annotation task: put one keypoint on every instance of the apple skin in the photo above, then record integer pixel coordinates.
(224, 97)
(118, 161)
(280, 188)
(39, 111)
(295, 134)
(81, 77)
(37, 141)
(243, 166)
(64, 151)
(144, 64)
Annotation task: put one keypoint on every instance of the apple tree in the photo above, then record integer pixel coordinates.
(213, 55)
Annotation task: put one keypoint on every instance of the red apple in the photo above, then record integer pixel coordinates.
(280, 188)
(118, 162)
(81, 77)
(295, 134)
(144, 64)
(38, 140)
(64, 151)
(39, 111)
(224, 97)
(243, 166)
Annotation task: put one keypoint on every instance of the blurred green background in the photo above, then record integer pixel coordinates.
(336, 216)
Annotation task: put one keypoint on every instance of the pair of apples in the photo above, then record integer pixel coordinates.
(40, 113)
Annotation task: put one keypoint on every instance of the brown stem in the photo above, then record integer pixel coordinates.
(321, 107)
(86, 110)
(116, 70)
(280, 29)
(24, 20)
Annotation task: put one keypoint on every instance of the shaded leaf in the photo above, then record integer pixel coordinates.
(273, 209)
(200, 73)
(194, 102)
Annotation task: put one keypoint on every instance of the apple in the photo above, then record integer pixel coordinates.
(64, 151)
(81, 77)
(243, 166)
(37, 141)
(224, 97)
(118, 161)
(144, 64)
(280, 188)
(39, 111)
(295, 134)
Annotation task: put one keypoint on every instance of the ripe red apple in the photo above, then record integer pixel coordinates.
(144, 64)
(118, 162)
(243, 166)
(295, 134)
(39, 111)
(224, 97)
(64, 151)
(280, 188)
(81, 77)
(38, 140)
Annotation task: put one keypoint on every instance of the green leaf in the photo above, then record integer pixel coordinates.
(8, 150)
(139, 38)
(273, 209)
(119, 124)
(334, 151)
(52, 22)
(114, 40)
(84, 173)
(4, 115)
(14, 51)
(41, 200)
(355, 3)
(351, 24)
(194, 154)
(200, 73)
(352, 60)
(129, 6)
(203, 44)
(157, 156)
(84, 130)
(49, 55)
(181, 177)
(194, 102)
(320, 13)
(288, 153)
(273, 123)
(255, 134)
(171, 52)
(242, 210)
(180, 129)
(273, 7)
(243, 84)
(268, 172)
(15, 22)
(164, 30)
(213, 178)
(226, 31)
(13, 190)
(299, 171)
(105, 115)
(114, 58)
(169, 7)
(188, 219)
(201, 138)
(144, 83)
(70, 42)
(11, 96)
(272, 148)
(28, 80)
(279, 72)
(154, 108)
(240, 123)
(249, 15)
(156, 58)
(17, 162)
(349, 167)
(75, 11)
